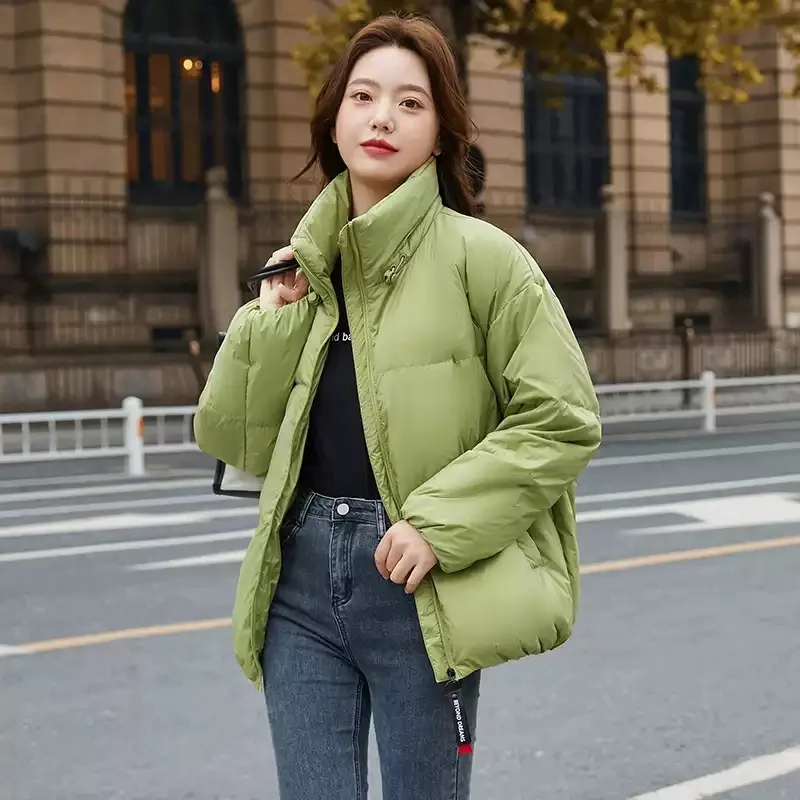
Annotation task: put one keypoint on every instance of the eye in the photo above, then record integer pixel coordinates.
(361, 96)
(414, 103)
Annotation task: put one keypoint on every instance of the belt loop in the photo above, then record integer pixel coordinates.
(381, 519)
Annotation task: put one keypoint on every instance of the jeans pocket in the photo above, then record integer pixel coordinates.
(288, 530)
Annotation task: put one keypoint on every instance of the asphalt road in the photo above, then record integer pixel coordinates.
(685, 661)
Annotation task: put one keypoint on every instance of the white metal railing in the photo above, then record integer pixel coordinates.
(132, 432)
(707, 398)
(662, 393)
(135, 431)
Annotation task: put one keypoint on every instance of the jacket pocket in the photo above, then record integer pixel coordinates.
(502, 608)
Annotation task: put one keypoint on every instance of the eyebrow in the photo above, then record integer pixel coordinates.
(404, 87)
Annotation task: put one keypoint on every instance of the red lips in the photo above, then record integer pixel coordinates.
(379, 144)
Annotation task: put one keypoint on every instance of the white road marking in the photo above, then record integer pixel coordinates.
(731, 512)
(120, 547)
(690, 455)
(97, 477)
(227, 557)
(724, 428)
(122, 522)
(10, 650)
(122, 505)
(748, 773)
(626, 512)
(123, 488)
(712, 511)
(61, 480)
(695, 488)
(209, 498)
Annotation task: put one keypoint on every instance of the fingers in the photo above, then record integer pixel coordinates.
(284, 293)
(290, 294)
(301, 282)
(267, 297)
(415, 578)
(282, 289)
(380, 557)
(284, 254)
(400, 565)
(401, 571)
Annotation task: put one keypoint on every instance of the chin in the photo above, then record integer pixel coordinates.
(379, 176)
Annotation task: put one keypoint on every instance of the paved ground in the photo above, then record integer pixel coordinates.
(678, 669)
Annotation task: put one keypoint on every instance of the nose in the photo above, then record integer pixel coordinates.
(382, 121)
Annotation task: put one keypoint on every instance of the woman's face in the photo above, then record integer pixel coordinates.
(387, 125)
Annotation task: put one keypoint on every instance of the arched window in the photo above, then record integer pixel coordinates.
(566, 146)
(687, 119)
(183, 97)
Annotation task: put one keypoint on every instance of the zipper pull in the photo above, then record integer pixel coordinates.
(391, 273)
(452, 691)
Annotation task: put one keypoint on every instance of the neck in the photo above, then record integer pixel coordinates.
(365, 196)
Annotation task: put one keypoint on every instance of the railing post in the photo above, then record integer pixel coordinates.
(687, 341)
(134, 435)
(709, 401)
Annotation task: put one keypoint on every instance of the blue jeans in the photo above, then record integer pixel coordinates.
(343, 644)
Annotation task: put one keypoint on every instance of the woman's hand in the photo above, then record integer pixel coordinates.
(284, 288)
(403, 556)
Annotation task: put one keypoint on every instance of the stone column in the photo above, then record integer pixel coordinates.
(219, 295)
(768, 276)
(639, 127)
(612, 259)
(70, 80)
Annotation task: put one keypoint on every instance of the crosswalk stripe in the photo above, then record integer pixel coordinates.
(122, 488)
(121, 547)
(95, 477)
(682, 490)
(9, 650)
(122, 505)
(225, 557)
(121, 522)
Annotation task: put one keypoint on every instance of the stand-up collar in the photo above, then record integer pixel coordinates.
(391, 229)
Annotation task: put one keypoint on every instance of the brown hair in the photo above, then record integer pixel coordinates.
(420, 36)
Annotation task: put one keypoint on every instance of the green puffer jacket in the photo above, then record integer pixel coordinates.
(478, 409)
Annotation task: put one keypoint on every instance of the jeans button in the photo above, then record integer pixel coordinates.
(342, 509)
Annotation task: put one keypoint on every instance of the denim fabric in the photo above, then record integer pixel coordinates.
(343, 644)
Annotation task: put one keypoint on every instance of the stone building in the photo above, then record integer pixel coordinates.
(145, 148)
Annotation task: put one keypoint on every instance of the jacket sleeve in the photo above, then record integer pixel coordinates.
(242, 405)
(490, 495)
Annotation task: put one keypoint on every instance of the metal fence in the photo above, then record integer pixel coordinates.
(682, 355)
(135, 430)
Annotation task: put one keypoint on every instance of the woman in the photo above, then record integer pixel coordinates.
(420, 410)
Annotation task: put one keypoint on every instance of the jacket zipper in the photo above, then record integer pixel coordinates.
(389, 276)
(371, 392)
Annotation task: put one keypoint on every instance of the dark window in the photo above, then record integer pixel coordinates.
(687, 107)
(567, 154)
(183, 88)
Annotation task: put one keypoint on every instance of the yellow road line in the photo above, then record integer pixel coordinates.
(621, 565)
(689, 555)
(49, 645)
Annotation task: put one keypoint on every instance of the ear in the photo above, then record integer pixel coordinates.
(437, 151)
(333, 135)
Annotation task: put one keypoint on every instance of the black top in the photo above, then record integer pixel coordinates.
(336, 462)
